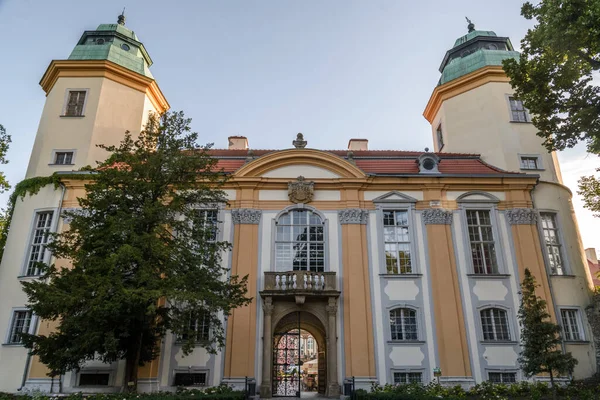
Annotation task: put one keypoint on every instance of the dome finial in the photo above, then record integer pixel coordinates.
(121, 18)
(471, 25)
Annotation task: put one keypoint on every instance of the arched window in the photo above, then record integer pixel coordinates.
(403, 323)
(494, 322)
(299, 242)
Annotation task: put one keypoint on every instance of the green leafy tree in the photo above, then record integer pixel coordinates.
(5, 140)
(139, 257)
(589, 189)
(555, 74)
(540, 337)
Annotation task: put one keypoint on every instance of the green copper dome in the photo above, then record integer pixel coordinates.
(116, 43)
(475, 50)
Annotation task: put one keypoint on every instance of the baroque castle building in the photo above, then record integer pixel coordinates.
(399, 265)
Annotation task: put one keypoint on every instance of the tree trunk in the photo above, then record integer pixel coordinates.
(132, 363)
(554, 394)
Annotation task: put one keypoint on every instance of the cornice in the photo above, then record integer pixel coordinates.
(491, 73)
(104, 69)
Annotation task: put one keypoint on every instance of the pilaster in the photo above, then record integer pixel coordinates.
(358, 320)
(451, 333)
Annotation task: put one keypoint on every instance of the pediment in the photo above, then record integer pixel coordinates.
(477, 197)
(295, 170)
(394, 197)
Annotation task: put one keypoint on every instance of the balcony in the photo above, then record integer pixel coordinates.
(300, 283)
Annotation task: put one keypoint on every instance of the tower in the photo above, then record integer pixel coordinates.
(102, 89)
(473, 110)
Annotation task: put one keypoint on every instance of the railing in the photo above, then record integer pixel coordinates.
(300, 280)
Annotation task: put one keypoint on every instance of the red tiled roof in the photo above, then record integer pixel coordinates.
(376, 161)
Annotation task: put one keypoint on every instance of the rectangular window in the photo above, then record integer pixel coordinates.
(397, 242)
(440, 137)
(530, 162)
(21, 322)
(552, 242)
(190, 379)
(63, 157)
(502, 377)
(494, 323)
(75, 101)
(570, 324)
(401, 378)
(207, 224)
(481, 236)
(201, 326)
(517, 110)
(93, 379)
(39, 239)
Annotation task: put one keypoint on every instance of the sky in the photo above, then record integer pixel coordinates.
(331, 69)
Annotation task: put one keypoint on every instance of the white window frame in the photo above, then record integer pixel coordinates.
(578, 324)
(96, 370)
(559, 234)
(396, 201)
(53, 157)
(9, 332)
(66, 102)
(417, 321)
(509, 324)
(199, 340)
(191, 370)
(510, 110)
(408, 242)
(326, 239)
(32, 227)
(407, 371)
(540, 165)
(507, 371)
(494, 242)
(439, 133)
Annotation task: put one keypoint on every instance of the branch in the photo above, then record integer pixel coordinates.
(594, 63)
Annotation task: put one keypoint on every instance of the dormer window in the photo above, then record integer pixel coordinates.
(428, 163)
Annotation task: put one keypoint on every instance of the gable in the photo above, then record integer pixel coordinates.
(295, 170)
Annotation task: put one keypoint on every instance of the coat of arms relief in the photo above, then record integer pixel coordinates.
(301, 191)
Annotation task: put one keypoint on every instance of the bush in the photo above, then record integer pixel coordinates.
(222, 392)
(586, 390)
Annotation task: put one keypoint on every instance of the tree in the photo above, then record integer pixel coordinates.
(5, 140)
(540, 337)
(589, 189)
(554, 76)
(140, 257)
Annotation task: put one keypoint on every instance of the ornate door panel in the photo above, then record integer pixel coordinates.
(286, 364)
(322, 373)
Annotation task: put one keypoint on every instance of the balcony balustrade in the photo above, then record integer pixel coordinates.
(300, 282)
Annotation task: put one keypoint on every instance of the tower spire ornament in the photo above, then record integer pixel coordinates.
(121, 18)
(471, 25)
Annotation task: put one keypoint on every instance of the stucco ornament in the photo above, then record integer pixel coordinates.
(353, 216)
(301, 191)
(245, 216)
(299, 143)
(437, 216)
(522, 216)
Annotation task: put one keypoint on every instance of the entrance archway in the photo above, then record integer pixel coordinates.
(289, 378)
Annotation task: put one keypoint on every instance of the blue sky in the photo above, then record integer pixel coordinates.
(332, 69)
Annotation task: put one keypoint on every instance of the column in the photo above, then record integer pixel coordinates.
(240, 345)
(266, 385)
(333, 387)
(356, 296)
(528, 251)
(452, 348)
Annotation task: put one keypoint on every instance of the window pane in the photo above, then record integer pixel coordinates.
(553, 244)
(494, 324)
(403, 324)
(397, 242)
(20, 324)
(570, 324)
(39, 239)
(481, 236)
(299, 242)
(75, 103)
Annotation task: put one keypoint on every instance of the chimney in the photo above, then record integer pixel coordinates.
(591, 255)
(238, 143)
(358, 144)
